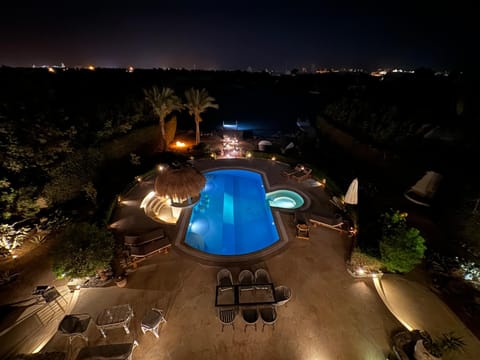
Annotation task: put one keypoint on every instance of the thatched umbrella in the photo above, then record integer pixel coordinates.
(181, 184)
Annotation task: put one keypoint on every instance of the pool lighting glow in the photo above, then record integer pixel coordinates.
(231, 204)
(284, 199)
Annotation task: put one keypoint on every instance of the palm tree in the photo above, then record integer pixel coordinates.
(198, 101)
(163, 103)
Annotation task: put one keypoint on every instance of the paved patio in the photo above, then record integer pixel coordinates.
(331, 314)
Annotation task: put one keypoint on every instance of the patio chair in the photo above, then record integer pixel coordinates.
(262, 277)
(75, 325)
(227, 316)
(246, 277)
(250, 317)
(224, 278)
(283, 294)
(152, 320)
(268, 315)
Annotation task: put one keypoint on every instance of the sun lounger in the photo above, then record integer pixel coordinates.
(301, 175)
(138, 240)
(150, 248)
(292, 171)
(336, 223)
(110, 351)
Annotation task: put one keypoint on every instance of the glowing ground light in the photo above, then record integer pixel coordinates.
(180, 144)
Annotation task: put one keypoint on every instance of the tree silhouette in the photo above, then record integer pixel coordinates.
(163, 102)
(198, 101)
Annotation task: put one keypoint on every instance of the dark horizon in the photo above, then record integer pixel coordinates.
(278, 35)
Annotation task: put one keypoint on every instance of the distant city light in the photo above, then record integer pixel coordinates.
(91, 67)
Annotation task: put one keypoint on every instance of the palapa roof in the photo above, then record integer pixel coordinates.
(179, 182)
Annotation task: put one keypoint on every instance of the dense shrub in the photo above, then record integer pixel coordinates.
(82, 250)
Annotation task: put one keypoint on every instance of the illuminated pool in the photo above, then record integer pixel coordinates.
(284, 199)
(232, 216)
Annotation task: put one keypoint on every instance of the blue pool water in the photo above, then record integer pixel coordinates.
(284, 199)
(232, 216)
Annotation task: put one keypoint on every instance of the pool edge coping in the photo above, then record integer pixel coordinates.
(283, 240)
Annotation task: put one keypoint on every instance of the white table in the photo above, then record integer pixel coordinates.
(115, 317)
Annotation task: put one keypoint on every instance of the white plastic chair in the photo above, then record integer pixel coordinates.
(283, 294)
(227, 317)
(262, 277)
(224, 278)
(246, 278)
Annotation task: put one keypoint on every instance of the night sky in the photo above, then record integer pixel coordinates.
(277, 35)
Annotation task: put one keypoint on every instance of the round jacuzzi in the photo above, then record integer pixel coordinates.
(285, 199)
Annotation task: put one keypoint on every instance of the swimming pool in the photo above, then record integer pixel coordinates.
(285, 199)
(232, 216)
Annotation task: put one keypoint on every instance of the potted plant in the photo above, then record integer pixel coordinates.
(428, 349)
(121, 280)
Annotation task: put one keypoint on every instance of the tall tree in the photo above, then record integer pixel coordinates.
(198, 101)
(163, 102)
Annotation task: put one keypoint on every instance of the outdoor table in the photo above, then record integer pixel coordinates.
(251, 294)
(256, 294)
(225, 295)
(115, 317)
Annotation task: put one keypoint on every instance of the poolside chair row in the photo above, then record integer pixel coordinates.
(250, 316)
(257, 280)
(245, 277)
